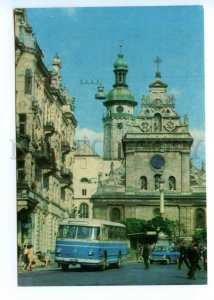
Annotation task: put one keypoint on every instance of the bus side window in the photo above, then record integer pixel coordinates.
(105, 233)
(97, 235)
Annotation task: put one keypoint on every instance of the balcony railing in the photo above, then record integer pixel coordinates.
(22, 142)
(66, 148)
(67, 176)
(49, 128)
(44, 157)
(26, 198)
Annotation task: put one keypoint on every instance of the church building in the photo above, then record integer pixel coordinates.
(148, 154)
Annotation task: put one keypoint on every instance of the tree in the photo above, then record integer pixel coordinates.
(200, 236)
(134, 225)
(168, 227)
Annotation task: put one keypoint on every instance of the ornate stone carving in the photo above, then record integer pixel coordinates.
(170, 126)
(144, 126)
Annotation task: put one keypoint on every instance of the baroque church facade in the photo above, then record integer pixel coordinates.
(146, 154)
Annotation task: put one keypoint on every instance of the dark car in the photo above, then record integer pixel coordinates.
(164, 254)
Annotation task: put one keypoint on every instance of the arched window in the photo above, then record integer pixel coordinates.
(84, 180)
(115, 214)
(157, 123)
(172, 183)
(143, 183)
(28, 81)
(156, 212)
(156, 181)
(84, 210)
(83, 163)
(200, 220)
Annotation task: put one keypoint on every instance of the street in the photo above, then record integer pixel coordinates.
(131, 273)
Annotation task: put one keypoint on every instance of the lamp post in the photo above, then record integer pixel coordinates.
(161, 188)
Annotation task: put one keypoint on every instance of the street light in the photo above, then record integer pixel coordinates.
(161, 188)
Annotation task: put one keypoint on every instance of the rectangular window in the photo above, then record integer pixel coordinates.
(62, 193)
(119, 150)
(28, 81)
(38, 173)
(84, 192)
(45, 181)
(22, 123)
(20, 171)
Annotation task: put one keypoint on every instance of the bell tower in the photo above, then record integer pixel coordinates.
(119, 105)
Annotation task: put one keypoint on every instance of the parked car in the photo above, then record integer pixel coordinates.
(164, 254)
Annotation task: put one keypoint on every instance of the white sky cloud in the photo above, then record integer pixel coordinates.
(198, 147)
(175, 92)
(94, 138)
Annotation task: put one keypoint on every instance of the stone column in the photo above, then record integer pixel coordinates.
(161, 182)
(185, 177)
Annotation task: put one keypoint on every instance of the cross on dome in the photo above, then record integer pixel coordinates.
(158, 60)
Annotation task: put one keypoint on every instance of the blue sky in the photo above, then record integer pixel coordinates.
(87, 41)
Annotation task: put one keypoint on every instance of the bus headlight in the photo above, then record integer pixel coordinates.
(90, 253)
(58, 252)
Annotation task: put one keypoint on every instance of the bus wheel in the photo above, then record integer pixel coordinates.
(104, 262)
(119, 261)
(65, 267)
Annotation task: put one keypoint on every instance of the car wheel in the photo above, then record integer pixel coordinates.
(151, 261)
(167, 261)
(65, 267)
(104, 262)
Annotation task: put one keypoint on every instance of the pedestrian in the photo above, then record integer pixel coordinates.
(183, 256)
(145, 254)
(19, 251)
(193, 257)
(30, 257)
(204, 256)
(25, 257)
(139, 253)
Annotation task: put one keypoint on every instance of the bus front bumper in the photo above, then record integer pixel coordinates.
(67, 260)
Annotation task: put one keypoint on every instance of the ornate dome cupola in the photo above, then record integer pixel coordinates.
(120, 94)
(120, 70)
(119, 105)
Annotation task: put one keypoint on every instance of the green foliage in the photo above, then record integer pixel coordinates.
(158, 224)
(200, 236)
(134, 225)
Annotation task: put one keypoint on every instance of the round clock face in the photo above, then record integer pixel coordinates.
(157, 162)
(120, 109)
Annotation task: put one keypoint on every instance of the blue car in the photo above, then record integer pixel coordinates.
(164, 254)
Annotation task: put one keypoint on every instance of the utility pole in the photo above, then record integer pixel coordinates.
(161, 188)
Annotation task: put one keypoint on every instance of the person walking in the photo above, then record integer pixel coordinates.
(145, 254)
(139, 253)
(193, 257)
(183, 256)
(25, 257)
(30, 257)
(204, 257)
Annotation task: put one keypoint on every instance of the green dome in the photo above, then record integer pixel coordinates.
(120, 94)
(120, 63)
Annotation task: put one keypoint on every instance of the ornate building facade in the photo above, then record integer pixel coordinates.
(45, 129)
(145, 150)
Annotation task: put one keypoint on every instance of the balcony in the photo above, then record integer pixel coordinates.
(22, 142)
(44, 157)
(67, 176)
(49, 128)
(66, 148)
(26, 198)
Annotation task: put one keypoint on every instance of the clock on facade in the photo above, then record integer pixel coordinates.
(157, 162)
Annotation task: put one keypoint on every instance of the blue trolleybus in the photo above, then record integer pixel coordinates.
(90, 242)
